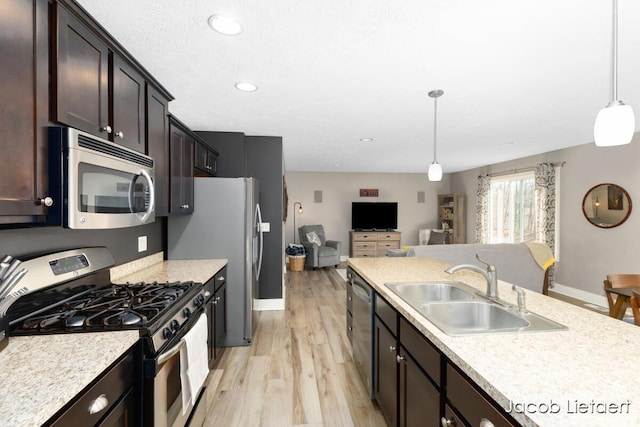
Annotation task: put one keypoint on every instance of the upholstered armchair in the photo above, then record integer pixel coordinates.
(320, 251)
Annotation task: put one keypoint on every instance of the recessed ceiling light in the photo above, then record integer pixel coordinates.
(366, 139)
(225, 25)
(246, 87)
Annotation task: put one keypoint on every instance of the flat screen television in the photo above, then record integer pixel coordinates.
(374, 215)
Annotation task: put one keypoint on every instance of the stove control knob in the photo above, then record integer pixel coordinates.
(175, 325)
(198, 301)
(186, 312)
(167, 334)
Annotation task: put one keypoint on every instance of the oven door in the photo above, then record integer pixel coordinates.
(164, 391)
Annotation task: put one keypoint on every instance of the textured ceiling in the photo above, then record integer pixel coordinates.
(519, 77)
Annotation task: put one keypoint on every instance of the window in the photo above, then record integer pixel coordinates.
(512, 208)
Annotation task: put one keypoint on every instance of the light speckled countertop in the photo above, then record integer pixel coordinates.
(593, 363)
(40, 374)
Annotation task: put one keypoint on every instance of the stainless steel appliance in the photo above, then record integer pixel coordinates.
(362, 310)
(97, 184)
(225, 224)
(70, 292)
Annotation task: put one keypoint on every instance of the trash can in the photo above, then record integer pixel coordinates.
(296, 262)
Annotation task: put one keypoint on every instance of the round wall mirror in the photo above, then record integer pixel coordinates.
(606, 205)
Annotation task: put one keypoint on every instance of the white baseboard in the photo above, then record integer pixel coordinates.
(580, 294)
(268, 304)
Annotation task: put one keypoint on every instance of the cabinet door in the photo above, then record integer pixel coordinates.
(124, 414)
(127, 97)
(82, 70)
(201, 157)
(386, 377)
(220, 302)
(24, 87)
(181, 165)
(419, 400)
(158, 145)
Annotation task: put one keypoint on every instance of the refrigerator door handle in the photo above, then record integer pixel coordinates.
(258, 224)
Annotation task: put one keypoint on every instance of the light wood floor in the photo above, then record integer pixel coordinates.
(298, 370)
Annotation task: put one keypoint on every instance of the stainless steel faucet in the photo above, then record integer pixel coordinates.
(490, 274)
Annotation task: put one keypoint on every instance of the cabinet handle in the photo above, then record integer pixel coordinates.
(216, 300)
(184, 206)
(486, 423)
(350, 299)
(392, 348)
(98, 404)
(350, 328)
(46, 201)
(106, 129)
(120, 134)
(401, 358)
(221, 278)
(207, 294)
(447, 422)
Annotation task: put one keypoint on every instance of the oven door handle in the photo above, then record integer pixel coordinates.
(170, 353)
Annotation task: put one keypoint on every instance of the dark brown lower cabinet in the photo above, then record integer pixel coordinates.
(113, 399)
(386, 372)
(476, 408)
(419, 403)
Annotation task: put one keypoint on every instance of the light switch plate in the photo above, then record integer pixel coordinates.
(265, 227)
(142, 243)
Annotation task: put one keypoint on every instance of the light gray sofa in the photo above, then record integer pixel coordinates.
(522, 264)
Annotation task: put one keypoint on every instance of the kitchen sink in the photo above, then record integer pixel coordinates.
(421, 292)
(459, 309)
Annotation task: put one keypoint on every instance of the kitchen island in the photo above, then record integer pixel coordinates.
(42, 373)
(577, 377)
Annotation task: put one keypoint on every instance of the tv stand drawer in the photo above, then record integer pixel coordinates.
(372, 243)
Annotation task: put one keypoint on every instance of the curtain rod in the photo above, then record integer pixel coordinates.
(529, 169)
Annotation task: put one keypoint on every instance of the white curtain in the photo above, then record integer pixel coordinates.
(482, 208)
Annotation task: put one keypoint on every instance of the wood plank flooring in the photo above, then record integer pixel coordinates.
(299, 369)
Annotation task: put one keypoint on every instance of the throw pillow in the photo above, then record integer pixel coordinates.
(314, 238)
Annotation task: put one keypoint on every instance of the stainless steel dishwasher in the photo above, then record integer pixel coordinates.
(362, 332)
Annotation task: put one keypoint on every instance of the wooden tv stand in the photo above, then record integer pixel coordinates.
(372, 243)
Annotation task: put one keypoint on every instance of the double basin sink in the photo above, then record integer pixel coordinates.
(459, 309)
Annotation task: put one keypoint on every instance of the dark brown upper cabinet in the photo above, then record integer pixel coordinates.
(158, 146)
(127, 105)
(181, 149)
(82, 77)
(95, 89)
(24, 84)
(206, 159)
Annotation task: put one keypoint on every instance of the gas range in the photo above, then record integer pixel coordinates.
(82, 299)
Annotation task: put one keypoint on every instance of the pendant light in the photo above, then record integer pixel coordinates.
(435, 170)
(615, 123)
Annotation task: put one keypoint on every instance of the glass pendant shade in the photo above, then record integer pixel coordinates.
(614, 125)
(435, 171)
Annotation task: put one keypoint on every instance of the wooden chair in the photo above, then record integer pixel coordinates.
(635, 307)
(620, 281)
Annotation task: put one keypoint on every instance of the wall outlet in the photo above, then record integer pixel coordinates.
(142, 243)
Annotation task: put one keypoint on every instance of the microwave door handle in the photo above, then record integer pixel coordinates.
(152, 195)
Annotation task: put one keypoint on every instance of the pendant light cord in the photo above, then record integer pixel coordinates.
(435, 126)
(615, 50)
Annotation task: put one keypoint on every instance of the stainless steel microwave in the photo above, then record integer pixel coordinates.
(96, 184)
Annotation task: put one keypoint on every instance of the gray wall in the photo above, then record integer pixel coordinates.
(587, 253)
(123, 243)
(340, 189)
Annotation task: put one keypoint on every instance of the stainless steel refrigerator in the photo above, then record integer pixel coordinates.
(225, 224)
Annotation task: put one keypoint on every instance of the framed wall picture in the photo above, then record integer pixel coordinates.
(614, 198)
